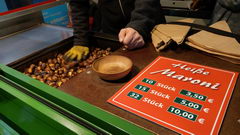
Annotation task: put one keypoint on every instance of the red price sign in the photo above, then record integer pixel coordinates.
(185, 97)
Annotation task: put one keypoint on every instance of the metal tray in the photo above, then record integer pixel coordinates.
(93, 116)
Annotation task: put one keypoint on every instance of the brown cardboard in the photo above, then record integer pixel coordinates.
(226, 46)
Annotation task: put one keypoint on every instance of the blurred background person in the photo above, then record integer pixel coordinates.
(228, 10)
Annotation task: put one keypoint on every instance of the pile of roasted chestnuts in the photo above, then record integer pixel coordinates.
(57, 71)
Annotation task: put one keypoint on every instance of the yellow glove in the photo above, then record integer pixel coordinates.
(77, 52)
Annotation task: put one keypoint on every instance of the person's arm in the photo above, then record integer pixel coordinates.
(79, 12)
(80, 19)
(233, 5)
(145, 16)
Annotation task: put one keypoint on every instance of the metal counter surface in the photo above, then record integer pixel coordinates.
(89, 87)
(24, 43)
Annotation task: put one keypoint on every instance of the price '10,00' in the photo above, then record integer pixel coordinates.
(182, 113)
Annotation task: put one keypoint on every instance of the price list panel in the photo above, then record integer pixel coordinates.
(184, 97)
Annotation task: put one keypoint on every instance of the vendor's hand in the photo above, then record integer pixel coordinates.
(76, 53)
(130, 38)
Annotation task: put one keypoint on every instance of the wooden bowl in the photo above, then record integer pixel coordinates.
(112, 67)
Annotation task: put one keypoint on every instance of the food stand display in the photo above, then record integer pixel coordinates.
(80, 104)
(87, 86)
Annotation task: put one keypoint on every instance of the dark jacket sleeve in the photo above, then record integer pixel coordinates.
(146, 14)
(80, 19)
(233, 5)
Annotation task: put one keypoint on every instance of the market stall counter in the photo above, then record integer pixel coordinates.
(88, 87)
